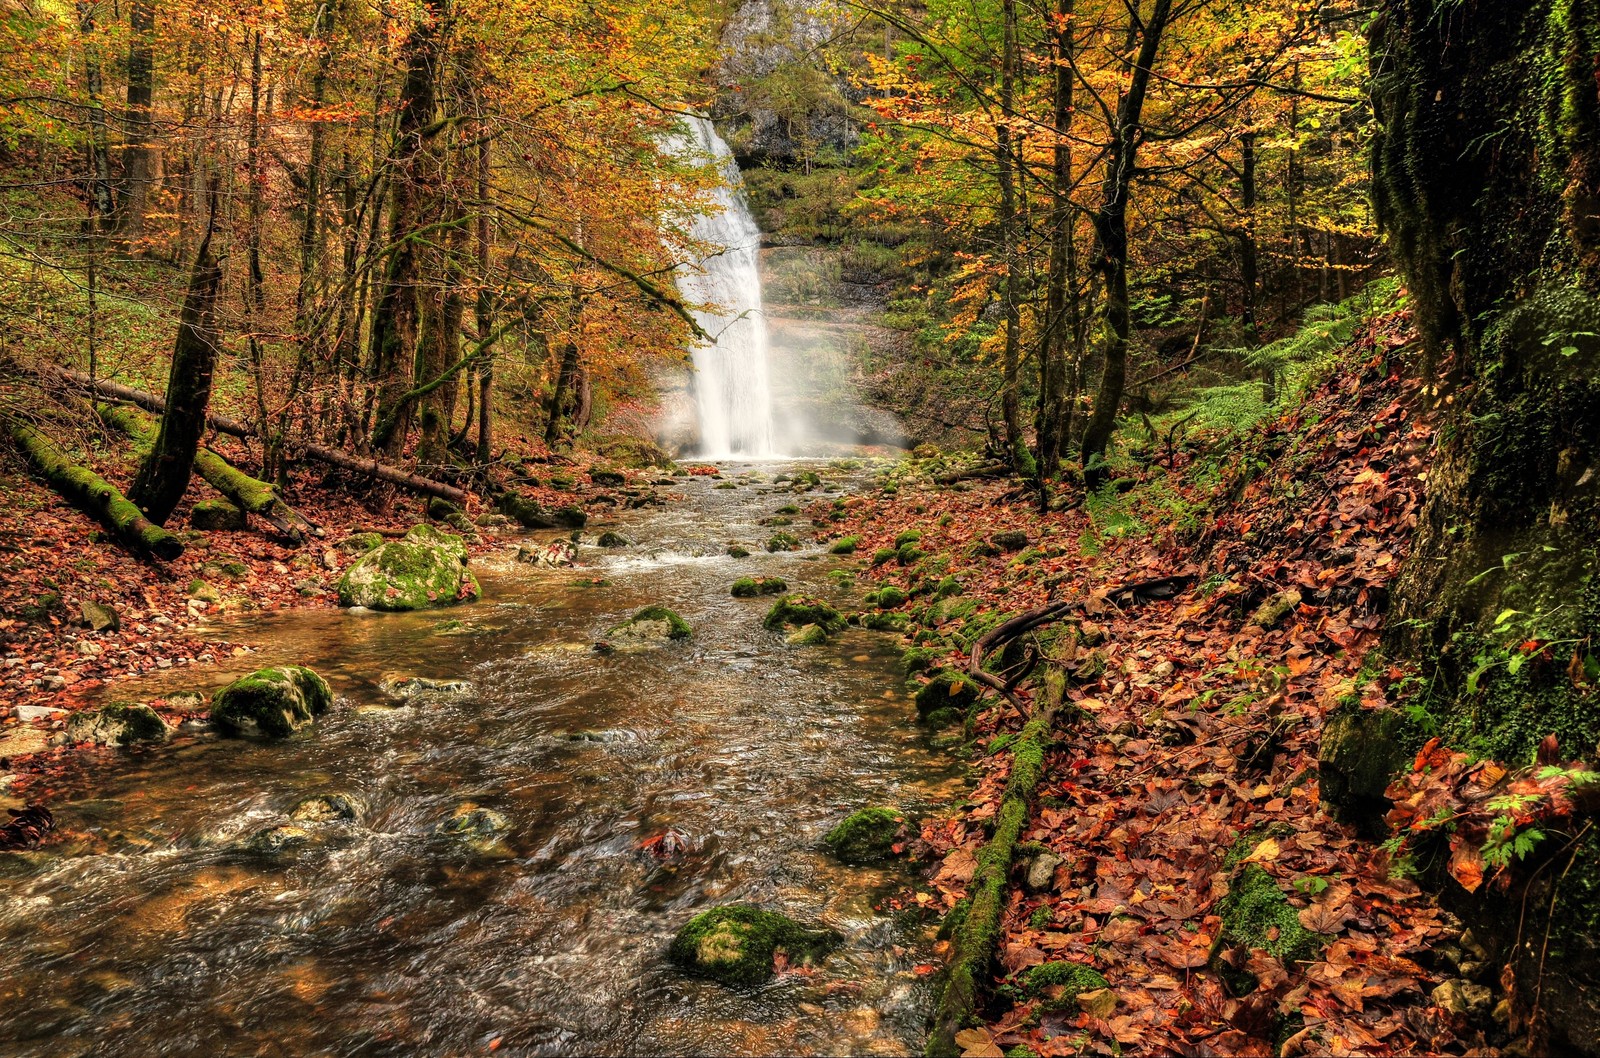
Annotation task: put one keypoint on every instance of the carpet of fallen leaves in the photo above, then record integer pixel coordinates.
(53, 559)
(1195, 727)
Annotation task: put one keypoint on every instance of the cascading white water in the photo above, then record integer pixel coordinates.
(732, 383)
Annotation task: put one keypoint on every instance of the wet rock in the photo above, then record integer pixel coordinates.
(807, 636)
(750, 587)
(1464, 998)
(274, 702)
(867, 836)
(802, 610)
(479, 828)
(359, 543)
(276, 840)
(210, 516)
(735, 551)
(603, 476)
(427, 568)
(556, 555)
(328, 808)
(1041, 873)
(409, 687)
(737, 944)
(98, 617)
(117, 724)
(440, 508)
(783, 542)
(611, 539)
(652, 624)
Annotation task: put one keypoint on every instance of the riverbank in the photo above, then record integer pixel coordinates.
(1181, 882)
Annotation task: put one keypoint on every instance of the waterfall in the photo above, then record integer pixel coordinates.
(732, 381)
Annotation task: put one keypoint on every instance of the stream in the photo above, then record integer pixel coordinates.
(154, 931)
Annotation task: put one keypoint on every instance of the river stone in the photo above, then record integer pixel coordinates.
(807, 636)
(652, 624)
(99, 618)
(117, 724)
(327, 808)
(481, 829)
(427, 568)
(947, 690)
(272, 841)
(275, 702)
(802, 610)
(408, 687)
(1041, 874)
(552, 556)
(867, 836)
(737, 944)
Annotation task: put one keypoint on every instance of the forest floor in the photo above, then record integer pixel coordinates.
(1185, 766)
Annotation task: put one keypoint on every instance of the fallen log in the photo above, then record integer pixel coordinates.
(93, 495)
(985, 470)
(249, 494)
(322, 453)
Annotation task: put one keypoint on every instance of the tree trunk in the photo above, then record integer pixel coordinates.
(1061, 308)
(555, 427)
(101, 197)
(1111, 234)
(1487, 181)
(164, 475)
(138, 156)
(93, 495)
(1249, 262)
(485, 306)
(1007, 154)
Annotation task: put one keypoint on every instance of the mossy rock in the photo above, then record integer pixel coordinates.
(1060, 983)
(425, 569)
(783, 542)
(440, 508)
(205, 591)
(884, 622)
(210, 516)
(1009, 539)
(1360, 752)
(225, 569)
(802, 610)
(463, 525)
(866, 837)
(918, 659)
(359, 543)
(737, 944)
(1257, 915)
(735, 551)
(653, 623)
(613, 539)
(473, 822)
(947, 690)
(887, 597)
(605, 476)
(908, 554)
(570, 517)
(788, 508)
(882, 555)
(117, 724)
(750, 587)
(275, 702)
(807, 636)
(910, 536)
(328, 808)
(844, 545)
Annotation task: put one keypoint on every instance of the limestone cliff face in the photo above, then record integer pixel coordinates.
(779, 99)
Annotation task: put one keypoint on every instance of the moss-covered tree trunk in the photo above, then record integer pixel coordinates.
(1487, 182)
(164, 475)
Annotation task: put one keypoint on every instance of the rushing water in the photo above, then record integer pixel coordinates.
(154, 933)
(732, 380)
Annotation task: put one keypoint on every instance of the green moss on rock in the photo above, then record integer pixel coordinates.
(807, 636)
(947, 690)
(216, 516)
(425, 569)
(750, 587)
(801, 610)
(844, 546)
(1257, 914)
(866, 837)
(887, 597)
(653, 622)
(783, 542)
(275, 702)
(736, 945)
(910, 536)
(1060, 983)
(117, 724)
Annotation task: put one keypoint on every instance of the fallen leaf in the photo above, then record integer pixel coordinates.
(1265, 852)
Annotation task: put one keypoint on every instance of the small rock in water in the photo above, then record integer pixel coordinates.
(480, 828)
(327, 808)
(406, 688)
(552, 556)
(272, 841)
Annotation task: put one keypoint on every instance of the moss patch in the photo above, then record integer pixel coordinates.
(425, 569)
(866, 837)
(947, 690)
(654, 622)
(750, 587)
(118, 724)
(844, 546)
(1257, 914)
(274, 702)
(1060, 983)
(802, 610)
(737, 944)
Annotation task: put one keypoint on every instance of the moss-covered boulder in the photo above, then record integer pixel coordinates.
(652, 624)
(427, 568)
(440, 509)
(947, 690)
(117, 724)
(738, 944)
(867, 837)
(807, 636)
(736, 551)
(887, 597)
(844, 546)
(607, 476)
(610, 538)
(884, 622)
(274, 702)
(359, 543)
(910, 536)
(783, 542)
(210, 516)
(750, 587)
(1361, 750)
(802, 610)
(1257, 915)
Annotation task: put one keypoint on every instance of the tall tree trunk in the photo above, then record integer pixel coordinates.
(485, 306)
(1061, 308)
(1007, 154)
(139, 155)
(1111, 235)
(1487, 182)
(1249, 262)
(101, 195)
(395, 317)
(164, 475)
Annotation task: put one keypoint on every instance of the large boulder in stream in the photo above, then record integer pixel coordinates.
(427, 568)
(653, 624)
(867, 837)
(739, 944)
(117, 724)
(802, 610)
(274, 702)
